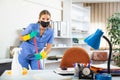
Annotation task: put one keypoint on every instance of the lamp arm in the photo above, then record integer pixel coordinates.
(110, 53)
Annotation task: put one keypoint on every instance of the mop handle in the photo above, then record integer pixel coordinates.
(36, 49)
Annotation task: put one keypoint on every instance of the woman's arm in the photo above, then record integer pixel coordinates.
(49, 42)
(28, 33)
(48, 48)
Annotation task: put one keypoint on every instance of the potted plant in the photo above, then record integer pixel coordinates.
(113, 28)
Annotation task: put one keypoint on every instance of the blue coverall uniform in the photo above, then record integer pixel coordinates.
(28, 47)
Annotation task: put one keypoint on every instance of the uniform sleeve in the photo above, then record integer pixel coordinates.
(51, 39)
(27, 30)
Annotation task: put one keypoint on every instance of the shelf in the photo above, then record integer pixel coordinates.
(79, 31)
(80, 20)
(62, 47)
(52, 61)
(78, 44)
(62, 37)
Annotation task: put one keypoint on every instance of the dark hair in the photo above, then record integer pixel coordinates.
(43, 12)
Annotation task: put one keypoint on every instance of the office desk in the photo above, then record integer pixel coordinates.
(41, 75)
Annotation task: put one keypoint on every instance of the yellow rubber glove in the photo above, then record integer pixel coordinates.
(43, 54)
(26, 37)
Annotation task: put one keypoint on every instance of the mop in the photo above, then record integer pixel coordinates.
(36, 49)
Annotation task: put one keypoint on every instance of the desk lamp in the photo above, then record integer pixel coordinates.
(94, 41)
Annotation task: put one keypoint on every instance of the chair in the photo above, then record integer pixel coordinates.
(74, 55)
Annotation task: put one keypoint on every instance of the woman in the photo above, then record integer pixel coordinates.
(35, 46)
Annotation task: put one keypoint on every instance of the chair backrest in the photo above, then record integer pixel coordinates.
(74, 55)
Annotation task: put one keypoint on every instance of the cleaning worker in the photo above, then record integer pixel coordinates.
(37, 40)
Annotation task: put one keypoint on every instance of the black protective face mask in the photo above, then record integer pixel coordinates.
(44, 24)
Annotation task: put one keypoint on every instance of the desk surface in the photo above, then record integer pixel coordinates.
(35, 75)
(40, 75)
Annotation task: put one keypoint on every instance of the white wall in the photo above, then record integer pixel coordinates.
(17, 14)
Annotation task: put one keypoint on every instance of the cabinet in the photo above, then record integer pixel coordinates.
(5, 64)
(80, 24)
(62, 41)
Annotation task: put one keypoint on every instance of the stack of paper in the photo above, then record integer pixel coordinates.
(68, 71)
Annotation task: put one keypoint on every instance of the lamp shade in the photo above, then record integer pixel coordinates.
(94, 39)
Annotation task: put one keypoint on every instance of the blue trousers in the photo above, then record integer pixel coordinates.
(32, 63)
(26, 57)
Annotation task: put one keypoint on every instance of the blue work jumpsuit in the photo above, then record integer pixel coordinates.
(28, 47)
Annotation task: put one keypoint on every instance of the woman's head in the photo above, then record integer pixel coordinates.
(44, 18)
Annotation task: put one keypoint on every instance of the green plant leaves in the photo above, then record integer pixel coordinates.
(113, 29)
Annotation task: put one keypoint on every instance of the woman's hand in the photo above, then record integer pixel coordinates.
(41, 55)
(38, 56)
(21, 38)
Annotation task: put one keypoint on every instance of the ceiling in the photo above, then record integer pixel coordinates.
(94, 1)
